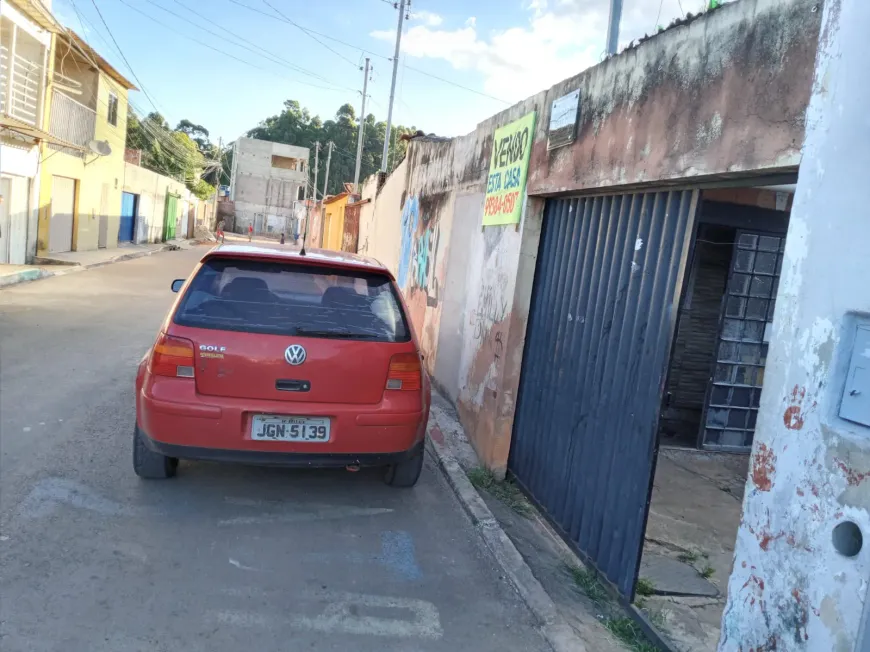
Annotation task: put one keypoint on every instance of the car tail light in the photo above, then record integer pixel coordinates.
(405, 372)
(172, 356)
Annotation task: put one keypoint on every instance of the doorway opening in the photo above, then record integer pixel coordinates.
(709, 410)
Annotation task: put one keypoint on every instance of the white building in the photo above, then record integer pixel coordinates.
(25, 41)
(268, 186)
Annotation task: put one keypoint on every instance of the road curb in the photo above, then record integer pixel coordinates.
(559, 635)
(23, 276)
(36, 274)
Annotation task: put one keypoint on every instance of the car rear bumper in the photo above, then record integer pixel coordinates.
(272, 458)
(174, 416)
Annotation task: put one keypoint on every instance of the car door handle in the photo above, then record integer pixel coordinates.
(292, 385)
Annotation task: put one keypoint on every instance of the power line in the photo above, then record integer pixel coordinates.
(113, 45)
(453, 83)
(169, 146)
(311, 32)
(172, 149)
(255, 49)
(226, 54)
(112, 36)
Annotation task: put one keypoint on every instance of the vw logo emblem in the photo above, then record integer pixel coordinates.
(295, 354)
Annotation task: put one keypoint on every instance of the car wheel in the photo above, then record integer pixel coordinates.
(405, 474)
(151, 465)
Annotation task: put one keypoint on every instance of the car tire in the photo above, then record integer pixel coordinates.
(406, 473)
(151, 465)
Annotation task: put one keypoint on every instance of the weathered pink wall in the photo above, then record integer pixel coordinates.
(723, 96)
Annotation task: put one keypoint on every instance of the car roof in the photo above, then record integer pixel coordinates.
(319, 257)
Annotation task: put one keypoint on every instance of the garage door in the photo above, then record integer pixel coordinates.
(601, 324)
(60, 230)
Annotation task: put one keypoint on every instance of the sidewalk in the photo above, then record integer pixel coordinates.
(77, 261)
(576, 612)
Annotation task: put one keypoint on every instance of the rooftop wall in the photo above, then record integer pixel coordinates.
(722, 96)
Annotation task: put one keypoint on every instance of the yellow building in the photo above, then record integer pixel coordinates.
(333, 221)
(81, 185)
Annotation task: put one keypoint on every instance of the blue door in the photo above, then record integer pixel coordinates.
(128, 217)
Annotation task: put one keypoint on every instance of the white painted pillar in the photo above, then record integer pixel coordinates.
(796, 584)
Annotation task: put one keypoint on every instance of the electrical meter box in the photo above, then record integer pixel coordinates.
(855, 403)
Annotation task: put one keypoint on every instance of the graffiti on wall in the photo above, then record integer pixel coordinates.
(410, 217)
(418, 254)
(491, 309)
(424, 256)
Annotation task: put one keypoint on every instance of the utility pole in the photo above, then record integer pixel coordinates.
(402, 4)
(307, 206)
(613, 26)
(328, 161)
(220, 170)
(316, 163)
(362, 129)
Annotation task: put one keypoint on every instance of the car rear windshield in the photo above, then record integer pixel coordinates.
(292, 299)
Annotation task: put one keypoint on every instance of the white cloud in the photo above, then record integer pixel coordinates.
(558, 39)
(427, 18)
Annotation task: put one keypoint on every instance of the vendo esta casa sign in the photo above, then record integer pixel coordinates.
(508, 168)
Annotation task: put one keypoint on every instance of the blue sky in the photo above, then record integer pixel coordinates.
(503, 49)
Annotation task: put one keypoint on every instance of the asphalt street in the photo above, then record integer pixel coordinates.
(220, 558)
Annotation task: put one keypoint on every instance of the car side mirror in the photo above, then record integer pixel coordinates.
(177, 284)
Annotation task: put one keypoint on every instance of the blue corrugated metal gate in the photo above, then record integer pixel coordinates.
(602, 318)
(128, 217)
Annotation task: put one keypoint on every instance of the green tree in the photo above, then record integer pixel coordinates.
(186, 153)
(197, 134)
(296, 126)
(173, 153)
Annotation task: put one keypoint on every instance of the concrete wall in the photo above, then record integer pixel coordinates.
(260, 188)
(381, 238)
(695, 102)
(151, 206)
(333, 222)
(19, 157)
(722, 96)
(802, 559)
(19, 162)
(314, 235)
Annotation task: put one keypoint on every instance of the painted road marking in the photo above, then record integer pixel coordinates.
(397, 554)
(346, 614)
(50, 492)
(342, 616)
(316, 513)
(241, 566)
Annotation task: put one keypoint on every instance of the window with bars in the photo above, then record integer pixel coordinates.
(738, 375)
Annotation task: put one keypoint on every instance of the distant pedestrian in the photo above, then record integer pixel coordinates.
(250, 232)
(219, 232)
(282, 238)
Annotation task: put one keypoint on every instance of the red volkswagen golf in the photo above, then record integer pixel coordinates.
(274, 357)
